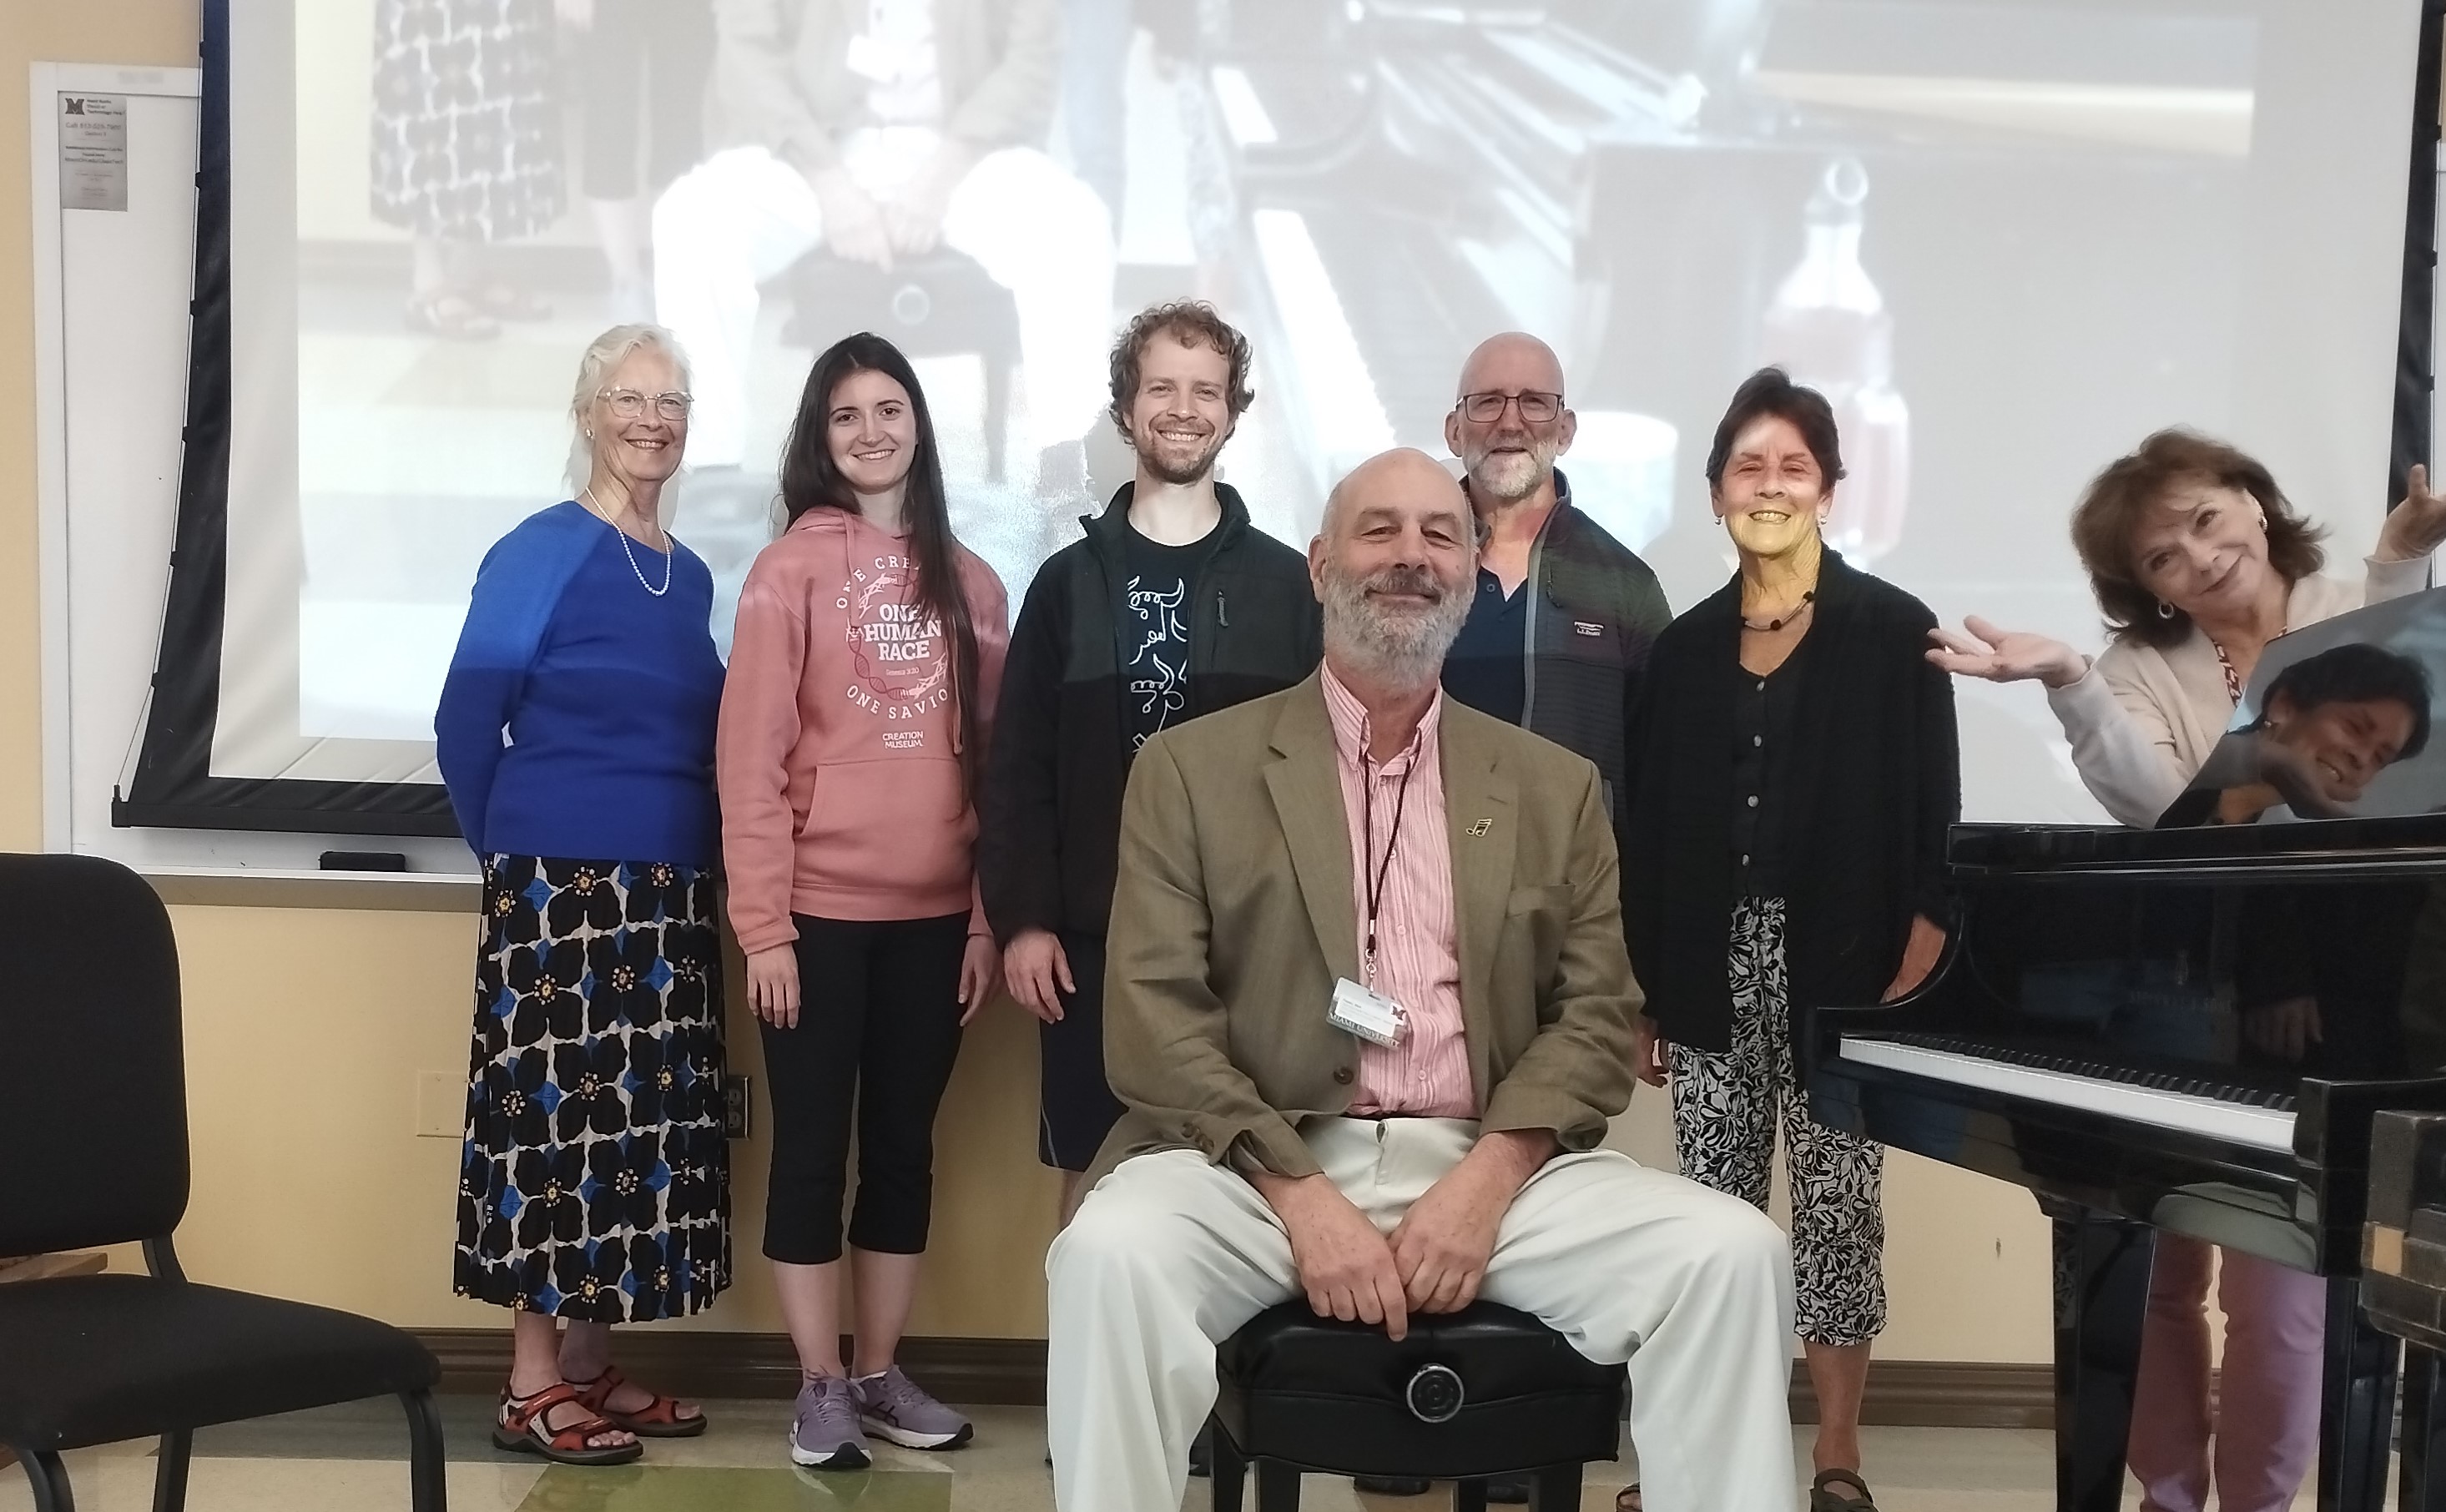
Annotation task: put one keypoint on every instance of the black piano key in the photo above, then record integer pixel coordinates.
(2156, 1074)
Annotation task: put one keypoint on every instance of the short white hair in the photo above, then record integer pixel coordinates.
(603, 354)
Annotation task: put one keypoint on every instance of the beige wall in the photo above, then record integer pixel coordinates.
(306, 1029)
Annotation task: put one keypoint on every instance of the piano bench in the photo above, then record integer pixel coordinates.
(1484, 1392)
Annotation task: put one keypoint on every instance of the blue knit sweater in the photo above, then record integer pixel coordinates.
(577, 717)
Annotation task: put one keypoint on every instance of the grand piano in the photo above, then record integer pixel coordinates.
(2118, 1025)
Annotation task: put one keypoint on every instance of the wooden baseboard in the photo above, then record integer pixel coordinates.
(1901, 1394)
(1945, 1393)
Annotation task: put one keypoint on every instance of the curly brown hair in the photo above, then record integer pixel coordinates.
(2110, 512)
(1192, 323)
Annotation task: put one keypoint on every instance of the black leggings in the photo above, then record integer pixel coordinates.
(879, 1030)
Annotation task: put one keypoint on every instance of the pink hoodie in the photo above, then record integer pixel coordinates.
(837, 757)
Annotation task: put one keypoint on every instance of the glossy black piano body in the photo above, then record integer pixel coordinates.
(2095, 1034)
(2403, 1286)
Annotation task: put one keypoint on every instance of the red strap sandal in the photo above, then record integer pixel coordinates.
(521, 1427)
(658, 1419)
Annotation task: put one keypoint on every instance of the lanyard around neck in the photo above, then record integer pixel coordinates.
(1376, 873)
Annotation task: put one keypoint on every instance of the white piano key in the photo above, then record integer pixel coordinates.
(2240, 1123)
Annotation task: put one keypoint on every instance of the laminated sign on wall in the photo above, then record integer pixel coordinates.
(93, 152)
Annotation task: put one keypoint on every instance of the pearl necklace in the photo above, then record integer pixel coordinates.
(669, 557)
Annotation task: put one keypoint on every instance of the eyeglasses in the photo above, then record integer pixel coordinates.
(1536, 408)
(628, 405)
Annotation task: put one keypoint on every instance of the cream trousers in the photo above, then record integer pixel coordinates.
(1170, 1255)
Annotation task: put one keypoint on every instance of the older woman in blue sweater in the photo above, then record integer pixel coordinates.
(575, 736)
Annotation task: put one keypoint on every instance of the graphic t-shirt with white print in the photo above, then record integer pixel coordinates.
(1155, 634)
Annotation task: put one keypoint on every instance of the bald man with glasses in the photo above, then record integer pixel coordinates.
(1563, 614)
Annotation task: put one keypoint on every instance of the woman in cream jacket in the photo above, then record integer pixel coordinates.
(2198, 562)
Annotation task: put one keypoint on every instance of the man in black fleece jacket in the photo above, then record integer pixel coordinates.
(1172, 606)
(1563, 658)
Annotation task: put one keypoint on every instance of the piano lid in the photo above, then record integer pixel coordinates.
(2329, 850)
(2336, 724)
(2332, 769)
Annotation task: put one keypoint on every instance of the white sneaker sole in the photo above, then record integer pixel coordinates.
(885, 1429)
(848, 1457)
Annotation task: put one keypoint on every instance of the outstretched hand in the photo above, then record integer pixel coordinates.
(1989, 650)
(2415, 527)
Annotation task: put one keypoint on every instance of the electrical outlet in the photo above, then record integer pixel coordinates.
(441, 1104)
(735, 1107)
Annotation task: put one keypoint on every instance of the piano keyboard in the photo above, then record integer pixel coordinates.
(2244, 1115)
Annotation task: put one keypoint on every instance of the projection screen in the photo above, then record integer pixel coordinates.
(2009, 239)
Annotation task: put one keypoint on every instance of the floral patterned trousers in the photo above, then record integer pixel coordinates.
(1726, 1110)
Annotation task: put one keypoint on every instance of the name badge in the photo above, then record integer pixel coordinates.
(1366, 1013)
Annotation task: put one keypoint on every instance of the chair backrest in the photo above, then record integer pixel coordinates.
(93, 1088)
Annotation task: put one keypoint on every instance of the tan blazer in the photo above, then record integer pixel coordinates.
(782, 77)
(1233, 919)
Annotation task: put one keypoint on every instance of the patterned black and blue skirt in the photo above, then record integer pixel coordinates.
(596, 1182)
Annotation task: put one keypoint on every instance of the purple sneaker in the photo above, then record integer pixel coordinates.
(823, 1432)
(893, 1407)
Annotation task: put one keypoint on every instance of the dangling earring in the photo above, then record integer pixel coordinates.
(2165, 610)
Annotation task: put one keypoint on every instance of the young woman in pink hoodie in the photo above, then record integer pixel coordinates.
(869, 646)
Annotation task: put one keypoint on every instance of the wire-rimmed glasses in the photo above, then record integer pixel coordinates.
(1537, 407)
(628, 403)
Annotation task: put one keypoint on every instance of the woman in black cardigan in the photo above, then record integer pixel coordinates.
(1794, 773)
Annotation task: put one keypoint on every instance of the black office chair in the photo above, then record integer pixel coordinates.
(941, 304)
(1483, 1392)
(93, 1152)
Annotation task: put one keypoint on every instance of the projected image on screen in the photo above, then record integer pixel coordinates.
(2006, 239)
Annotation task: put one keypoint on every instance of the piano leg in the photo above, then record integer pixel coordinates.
(2359, 1418)
(2102, 1279)
(2423, 1486)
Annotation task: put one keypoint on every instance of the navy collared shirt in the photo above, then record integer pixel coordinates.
(1487, 667)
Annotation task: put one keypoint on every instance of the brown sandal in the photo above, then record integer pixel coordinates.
(658, 1419)
(1823, 1499)
(521, 1427)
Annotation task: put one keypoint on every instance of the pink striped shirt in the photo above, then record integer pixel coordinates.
(1418, 952)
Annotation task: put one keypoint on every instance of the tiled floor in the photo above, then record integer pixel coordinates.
(342, 1459)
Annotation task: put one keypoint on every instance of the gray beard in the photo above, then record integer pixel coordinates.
(1400, 651)
(1515, 480)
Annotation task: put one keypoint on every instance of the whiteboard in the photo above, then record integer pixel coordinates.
(111, 292)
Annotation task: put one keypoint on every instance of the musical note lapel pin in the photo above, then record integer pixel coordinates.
(1481, 826)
